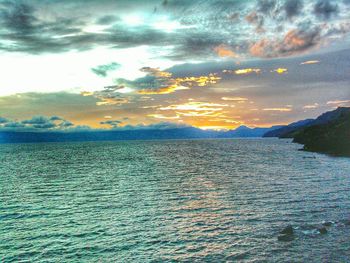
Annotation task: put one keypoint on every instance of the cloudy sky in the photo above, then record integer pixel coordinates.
(213, 64)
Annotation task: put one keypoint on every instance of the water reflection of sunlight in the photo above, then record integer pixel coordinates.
(202, 216)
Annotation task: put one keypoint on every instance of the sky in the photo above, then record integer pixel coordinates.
(212, 64)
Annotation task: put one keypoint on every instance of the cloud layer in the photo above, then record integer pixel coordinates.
(37, 123)
(111, 64)
(182, 29)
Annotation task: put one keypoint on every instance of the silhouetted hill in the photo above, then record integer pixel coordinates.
(330, 134)
(289, 130)
(284, 130)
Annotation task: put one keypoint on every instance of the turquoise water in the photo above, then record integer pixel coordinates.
(171, 201)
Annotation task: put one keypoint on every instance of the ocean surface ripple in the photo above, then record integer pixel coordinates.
(171, 201)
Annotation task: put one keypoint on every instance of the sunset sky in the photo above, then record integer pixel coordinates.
(212, 64)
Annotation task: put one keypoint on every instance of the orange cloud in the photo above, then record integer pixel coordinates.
(294, 42)
(258, 49)
(223, 51)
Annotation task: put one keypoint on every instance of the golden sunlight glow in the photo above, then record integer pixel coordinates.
(278, 109)
(196, 109)
(280, 70)
(86, 93)
(175, 84)
(234, 99)
(161, 116)
(196, 106)
(200, 81)
(163, 90)
(125, 90)
(247, 71)
(310, 62)
(111, 101)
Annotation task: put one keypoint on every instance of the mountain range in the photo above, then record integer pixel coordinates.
(328, 133)
(136, 134)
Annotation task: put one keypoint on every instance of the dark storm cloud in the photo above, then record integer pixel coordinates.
(13, 124)
(326, 9)
(266, 6)
(135, 36)
(55, 118)
(66, 124)
(256, 19)
(103, 70)
(107, 20)
(293, 7)
(37, 27)
(37, 120)
(17, 16)
(112, 123)
(192, 45)
(75, 39)
(43, 122)
(3, 120)
(22, 26)
(31, 34)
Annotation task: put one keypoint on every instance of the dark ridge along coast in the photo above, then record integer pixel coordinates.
(329, 133)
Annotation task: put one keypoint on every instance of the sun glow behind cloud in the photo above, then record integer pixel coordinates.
(185, 49)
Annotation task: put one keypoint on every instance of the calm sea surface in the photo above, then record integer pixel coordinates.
(171, 201)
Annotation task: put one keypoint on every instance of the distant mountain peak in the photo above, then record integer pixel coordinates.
(243, 127)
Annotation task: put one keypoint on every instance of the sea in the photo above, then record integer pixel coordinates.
(220, 200)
